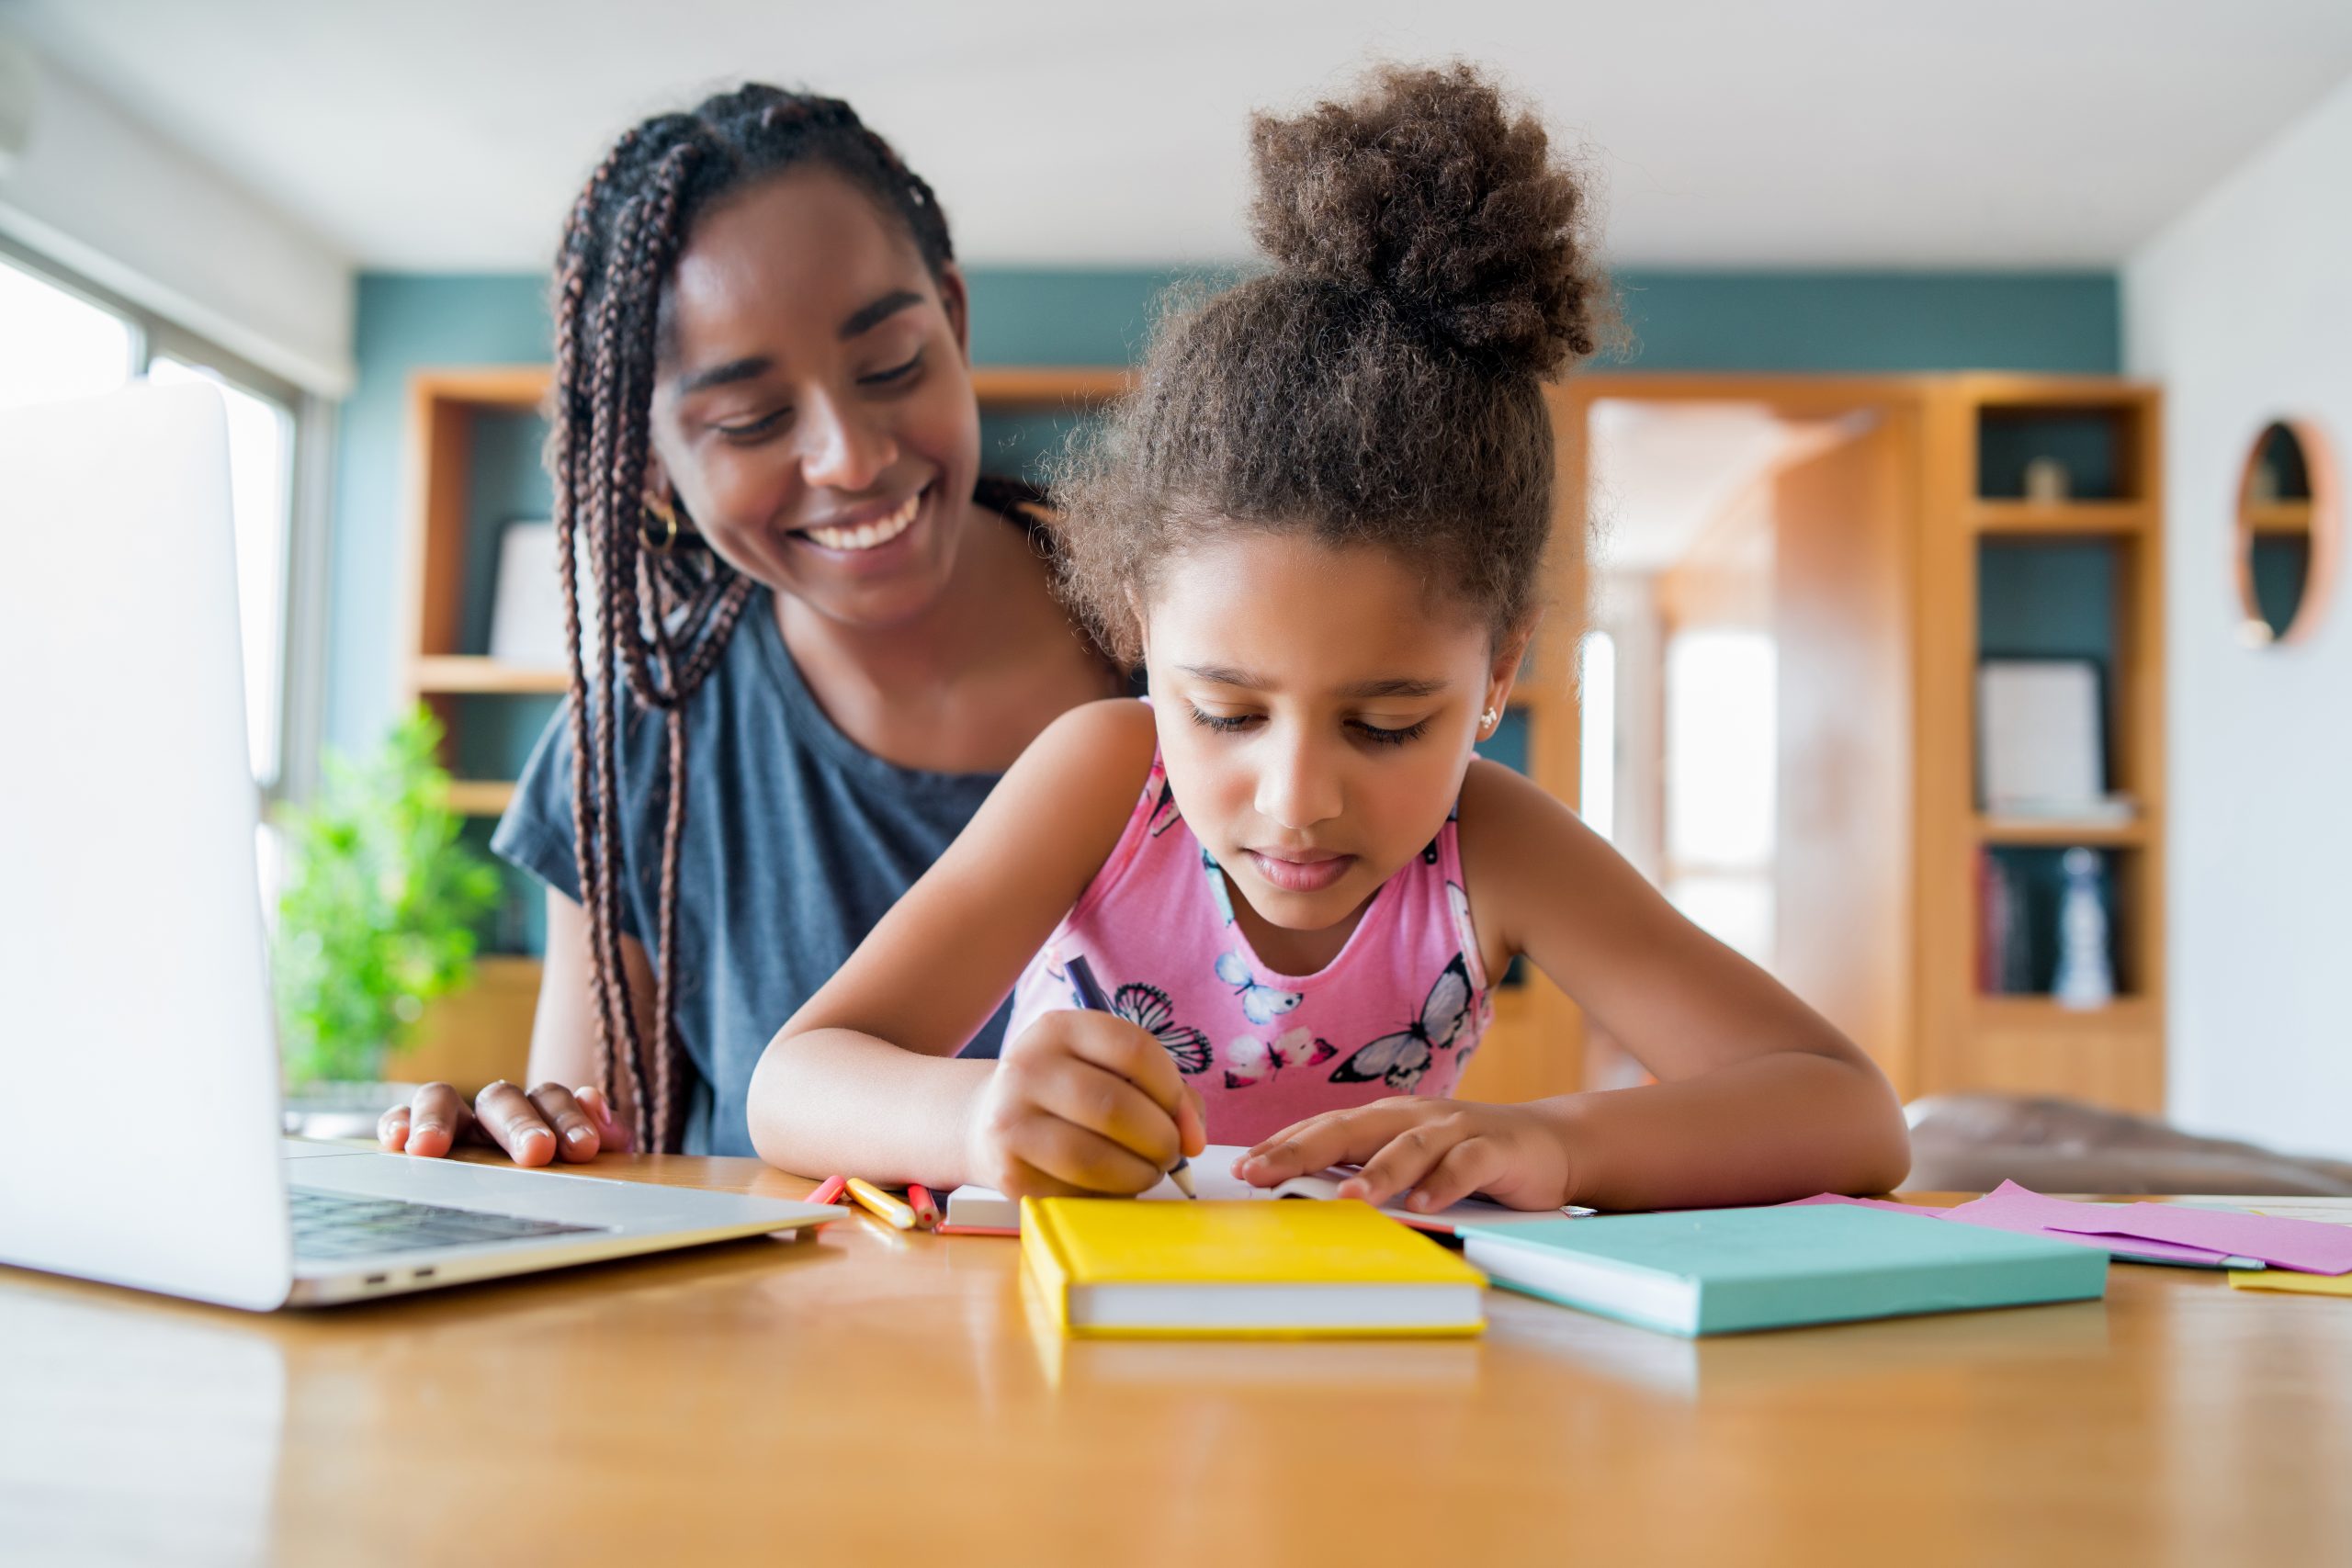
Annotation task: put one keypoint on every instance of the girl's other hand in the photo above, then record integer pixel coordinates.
(1435, 1152)
(550, 1122)
(1083, 1104)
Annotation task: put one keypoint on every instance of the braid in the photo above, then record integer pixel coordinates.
(663, 619)
(609, 542)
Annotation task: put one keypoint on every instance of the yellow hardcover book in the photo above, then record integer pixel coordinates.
(1110, 1268)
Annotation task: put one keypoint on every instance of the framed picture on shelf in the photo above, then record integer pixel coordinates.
(526, 607)
(2041, 740)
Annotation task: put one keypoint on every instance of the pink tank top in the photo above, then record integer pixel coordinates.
(1398, 1012)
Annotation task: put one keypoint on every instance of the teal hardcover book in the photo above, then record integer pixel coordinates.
(1723, 1271)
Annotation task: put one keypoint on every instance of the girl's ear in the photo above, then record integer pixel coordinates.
(1503, 674)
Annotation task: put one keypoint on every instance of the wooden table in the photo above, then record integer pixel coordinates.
(862, 1396)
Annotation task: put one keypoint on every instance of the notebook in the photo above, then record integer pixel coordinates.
(983, 1211)
(1723, 1271)
(1109, 1267)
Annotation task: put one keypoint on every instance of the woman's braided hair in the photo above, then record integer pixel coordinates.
(664, 612)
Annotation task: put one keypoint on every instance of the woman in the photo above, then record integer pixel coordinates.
(822, 634)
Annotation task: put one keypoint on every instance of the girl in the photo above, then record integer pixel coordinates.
(823, 633)
(1320, 522)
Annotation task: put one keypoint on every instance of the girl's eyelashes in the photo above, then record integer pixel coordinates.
(1221, 723)
(1229, 724)
(1380, 737)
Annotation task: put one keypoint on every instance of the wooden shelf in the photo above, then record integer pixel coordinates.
(1048, 388)
(512, 387)
(480, 797)
(2125, 1012)
(446, 674)
(2280, 517)
(2061, 518)
(2024, 830)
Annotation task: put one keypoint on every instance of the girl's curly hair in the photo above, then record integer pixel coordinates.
(1381, 384)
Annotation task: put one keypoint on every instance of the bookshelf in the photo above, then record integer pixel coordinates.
(2078, 578)
(1900, 560)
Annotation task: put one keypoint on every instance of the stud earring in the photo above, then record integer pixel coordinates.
(1487, 720)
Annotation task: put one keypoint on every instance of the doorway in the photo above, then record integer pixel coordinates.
(1746, 673)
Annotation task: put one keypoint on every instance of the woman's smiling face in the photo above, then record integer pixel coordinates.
(1317, 709)
(813, 406)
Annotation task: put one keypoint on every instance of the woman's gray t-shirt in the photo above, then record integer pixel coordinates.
(796, 842)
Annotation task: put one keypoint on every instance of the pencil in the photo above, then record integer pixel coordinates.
(829, 1190)
(880, 1204)
(925, 1206)
(1091, 997)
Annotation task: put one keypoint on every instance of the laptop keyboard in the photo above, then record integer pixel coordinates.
(329, 1225)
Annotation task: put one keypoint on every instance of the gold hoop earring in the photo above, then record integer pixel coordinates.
(661, 511)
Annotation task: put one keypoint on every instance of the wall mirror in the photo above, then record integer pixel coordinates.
(2290, 528)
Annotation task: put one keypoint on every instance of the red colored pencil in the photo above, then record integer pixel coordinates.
(830, 1190)
(926, 1208)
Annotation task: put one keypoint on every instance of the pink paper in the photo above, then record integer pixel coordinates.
(2305, 1245)
(1865, 1203)
(2009, 1207)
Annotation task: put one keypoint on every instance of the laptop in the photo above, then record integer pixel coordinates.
(142, 1144)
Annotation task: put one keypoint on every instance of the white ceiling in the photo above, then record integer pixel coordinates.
(449, 134)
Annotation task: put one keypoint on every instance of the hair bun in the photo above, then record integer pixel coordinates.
(1428, 190)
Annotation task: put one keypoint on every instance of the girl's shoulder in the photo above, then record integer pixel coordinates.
(1518, 843)
(1086, 768)
(1115, 735)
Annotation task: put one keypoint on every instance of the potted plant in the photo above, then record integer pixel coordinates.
(377, 919)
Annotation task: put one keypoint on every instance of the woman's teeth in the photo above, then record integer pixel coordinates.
(865, 536)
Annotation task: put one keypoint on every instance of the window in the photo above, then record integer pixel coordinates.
(1721, 784)
(64, 341)
(261, 450)
(59, 345)
(1597, 765)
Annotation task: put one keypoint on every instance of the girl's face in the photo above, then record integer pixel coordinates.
(813, 408)
(1317, 710)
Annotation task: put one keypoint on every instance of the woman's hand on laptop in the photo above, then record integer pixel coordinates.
(534, 1129)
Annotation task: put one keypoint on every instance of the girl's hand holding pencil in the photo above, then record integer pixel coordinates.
(1083, 1104)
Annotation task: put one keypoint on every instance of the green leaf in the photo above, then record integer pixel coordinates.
(377, 914)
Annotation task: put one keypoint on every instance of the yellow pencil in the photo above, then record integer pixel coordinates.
(881, 1204)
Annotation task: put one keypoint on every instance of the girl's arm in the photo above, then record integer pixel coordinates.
(863, 1079)
(1758, 1100)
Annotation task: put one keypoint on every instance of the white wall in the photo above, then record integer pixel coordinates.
(2242, 309)
(102, 194)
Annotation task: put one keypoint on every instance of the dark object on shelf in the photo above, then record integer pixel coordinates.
(1972, 1143)
(2087, 442)
(2021, 931)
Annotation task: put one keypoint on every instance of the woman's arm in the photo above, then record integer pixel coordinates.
(863, 1078)
(1759, 1099)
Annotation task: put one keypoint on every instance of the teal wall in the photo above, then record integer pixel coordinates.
(1680, 321)
(2051, 323)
